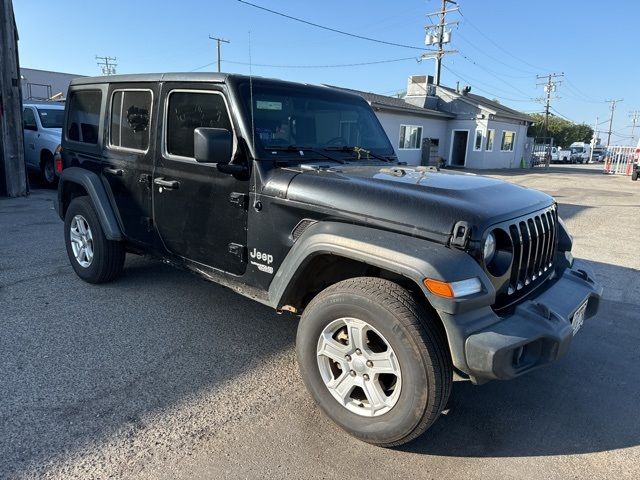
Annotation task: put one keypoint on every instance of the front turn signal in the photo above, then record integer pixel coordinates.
(458, 289)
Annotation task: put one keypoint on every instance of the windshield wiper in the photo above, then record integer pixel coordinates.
(297, 148)
(359, 151)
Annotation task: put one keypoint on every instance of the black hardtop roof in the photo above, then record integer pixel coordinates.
(204, 77)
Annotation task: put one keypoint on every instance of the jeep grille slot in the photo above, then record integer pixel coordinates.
(534, 246)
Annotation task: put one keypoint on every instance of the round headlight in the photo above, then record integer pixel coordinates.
(489, 248)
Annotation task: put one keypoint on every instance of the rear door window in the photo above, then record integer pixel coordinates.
(130, 119)
(83, 124)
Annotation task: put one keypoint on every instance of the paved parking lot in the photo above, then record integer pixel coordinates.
(163, 375)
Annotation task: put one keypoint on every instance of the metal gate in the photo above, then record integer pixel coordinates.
(619, 160)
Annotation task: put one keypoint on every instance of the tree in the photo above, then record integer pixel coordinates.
(563, 132)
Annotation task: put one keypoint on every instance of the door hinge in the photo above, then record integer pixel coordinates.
(239, 251)
(240, 200)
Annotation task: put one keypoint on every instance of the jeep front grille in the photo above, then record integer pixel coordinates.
(534, 238)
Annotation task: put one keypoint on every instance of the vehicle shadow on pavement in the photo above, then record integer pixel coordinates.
(587, 402)
(82, 363)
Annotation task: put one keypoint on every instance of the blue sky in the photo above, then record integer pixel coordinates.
(503, 44)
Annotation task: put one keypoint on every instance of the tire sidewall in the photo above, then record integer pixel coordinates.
(82, 206)
(416, 386)
(48, 160)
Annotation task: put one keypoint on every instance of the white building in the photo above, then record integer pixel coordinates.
(461, 128)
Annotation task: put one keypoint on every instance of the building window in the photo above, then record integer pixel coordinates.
(508, 139)
(410, 137)
(130, 117)
(491, 134)
(477, 145)
(186, 112)
(83, 124)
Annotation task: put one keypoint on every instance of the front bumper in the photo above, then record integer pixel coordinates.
(538, 331)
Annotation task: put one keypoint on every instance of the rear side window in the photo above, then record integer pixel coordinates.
(84, 116)
(188, 111)
(130, 117)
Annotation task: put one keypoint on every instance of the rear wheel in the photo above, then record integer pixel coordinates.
(47, 170)
(634, 175)
(94, 258)
(374, 360)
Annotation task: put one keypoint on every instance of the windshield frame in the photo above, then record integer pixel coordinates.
(49, 109)
(303, 152)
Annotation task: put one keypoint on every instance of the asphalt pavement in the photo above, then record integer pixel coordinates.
(164, 375)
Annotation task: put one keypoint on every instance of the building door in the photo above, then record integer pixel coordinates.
(459, 148)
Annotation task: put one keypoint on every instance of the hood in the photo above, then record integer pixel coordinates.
(416, 200)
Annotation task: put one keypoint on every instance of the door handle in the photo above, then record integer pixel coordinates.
(168, 184)
(113, 171)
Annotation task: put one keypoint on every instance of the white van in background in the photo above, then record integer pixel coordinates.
(580, 152)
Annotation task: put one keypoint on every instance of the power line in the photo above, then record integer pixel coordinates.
(219, 41)
(511, 66)
(340, 65)
(335, 30)
(465, 79)
(497, 76)
(497, 45)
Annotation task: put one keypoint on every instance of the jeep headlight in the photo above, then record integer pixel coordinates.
(489, 248)
(497, 252)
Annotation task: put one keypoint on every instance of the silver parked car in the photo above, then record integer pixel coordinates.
(42, 125)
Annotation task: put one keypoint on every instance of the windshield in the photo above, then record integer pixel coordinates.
(577, 149)
(310, 118)
(51, 117)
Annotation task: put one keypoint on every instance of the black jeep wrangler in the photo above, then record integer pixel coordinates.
(403, 277)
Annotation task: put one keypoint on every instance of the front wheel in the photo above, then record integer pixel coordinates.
(374, 360)
(94, 258)
(634, 175)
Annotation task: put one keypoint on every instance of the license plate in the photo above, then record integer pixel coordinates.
(578, 317)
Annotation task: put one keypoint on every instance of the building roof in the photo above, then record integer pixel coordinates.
(395, 104)
(498, 108)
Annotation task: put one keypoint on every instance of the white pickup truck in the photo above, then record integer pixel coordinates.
(42, 125)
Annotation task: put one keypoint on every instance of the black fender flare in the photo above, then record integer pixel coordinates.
(411, 257)
(98, 195)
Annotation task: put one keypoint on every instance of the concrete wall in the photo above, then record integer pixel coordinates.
(59, 82)
(431, 128)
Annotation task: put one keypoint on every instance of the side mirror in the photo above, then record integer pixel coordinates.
(212, 145)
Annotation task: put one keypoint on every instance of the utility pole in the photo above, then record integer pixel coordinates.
(550, 86)
(219, 41)
(438, 35)
(635, 115)
(594, 141)
(13, 174)
(108, 64)
(612, 108)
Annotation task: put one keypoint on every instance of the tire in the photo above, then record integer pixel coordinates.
(48, 170)
(634, 176)
(107, 257)
(391, 314)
